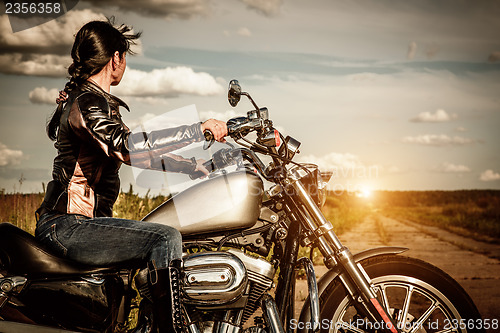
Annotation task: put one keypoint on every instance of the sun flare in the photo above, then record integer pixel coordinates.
(364, 193)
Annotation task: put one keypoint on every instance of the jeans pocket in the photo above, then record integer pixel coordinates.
(79, 219)
(57, 244)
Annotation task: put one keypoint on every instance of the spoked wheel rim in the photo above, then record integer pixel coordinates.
(417, 307)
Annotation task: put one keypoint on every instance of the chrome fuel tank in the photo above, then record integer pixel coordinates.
(227, 202)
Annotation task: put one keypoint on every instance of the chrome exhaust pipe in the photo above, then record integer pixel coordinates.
(271, 315)
(312, 286)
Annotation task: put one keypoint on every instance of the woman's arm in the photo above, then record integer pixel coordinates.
(91, 121)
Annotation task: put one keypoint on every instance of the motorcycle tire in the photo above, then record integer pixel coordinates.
(420, 297)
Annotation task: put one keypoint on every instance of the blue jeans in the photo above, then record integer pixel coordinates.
(105, 241)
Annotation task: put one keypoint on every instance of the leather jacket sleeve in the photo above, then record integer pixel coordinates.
(92, 120)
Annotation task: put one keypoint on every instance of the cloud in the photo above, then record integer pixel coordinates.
(333, 160)
(41, 95)
(244, 32)
(393, 169)
(265, 7)
(136, 123)
(494, 56)
(438, 140)
(412, 50)
(184, 9)
(48, 65)
(167, 82)
(53, 37)
(205, 115)
(9, 156)
(43, 50)
(150, 100)
(437, 117)
(489, 176)
(461, 129)
(343, 165)
(452, 168)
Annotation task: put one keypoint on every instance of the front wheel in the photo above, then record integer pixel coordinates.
(420, 297)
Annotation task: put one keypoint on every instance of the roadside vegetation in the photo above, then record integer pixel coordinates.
(345, 211)
(131, 206)
(470, 213)
(19, 209)
(473, 213)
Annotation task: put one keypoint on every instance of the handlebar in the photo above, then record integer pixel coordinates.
(209, 136)
(231, 156)
(198, 174)
(238, 128)
(220, 159)
(209, 139)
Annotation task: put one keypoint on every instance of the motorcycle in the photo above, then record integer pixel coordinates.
(240, 264)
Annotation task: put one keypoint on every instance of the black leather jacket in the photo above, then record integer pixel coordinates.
(93, 142)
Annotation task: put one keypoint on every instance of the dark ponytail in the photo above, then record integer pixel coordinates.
(95, 44)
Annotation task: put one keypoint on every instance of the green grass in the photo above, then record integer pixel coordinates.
(474, 213)
(19, 209)
(131, 206)
(345, 211)
(471, 213)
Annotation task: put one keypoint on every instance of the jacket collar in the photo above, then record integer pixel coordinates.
(113, 101)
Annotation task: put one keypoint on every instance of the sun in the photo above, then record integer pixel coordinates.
(364, 192)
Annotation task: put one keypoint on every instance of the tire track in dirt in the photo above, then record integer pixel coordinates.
(476, 272)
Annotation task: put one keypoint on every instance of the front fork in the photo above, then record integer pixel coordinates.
(353, 276)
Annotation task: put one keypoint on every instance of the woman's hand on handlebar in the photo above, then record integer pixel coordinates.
(217, 127)
(200, 167)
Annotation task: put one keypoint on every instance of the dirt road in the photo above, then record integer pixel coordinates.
(472, 264)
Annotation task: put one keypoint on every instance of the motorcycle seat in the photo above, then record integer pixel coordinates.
(20, 253)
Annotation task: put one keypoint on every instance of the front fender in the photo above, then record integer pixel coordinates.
(328, 277)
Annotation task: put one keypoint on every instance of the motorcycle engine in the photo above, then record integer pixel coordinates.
(212, 279)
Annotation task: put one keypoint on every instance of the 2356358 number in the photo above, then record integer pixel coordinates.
(32, 8)
(456, 324)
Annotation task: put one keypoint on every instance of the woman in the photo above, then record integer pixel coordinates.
(75, 219)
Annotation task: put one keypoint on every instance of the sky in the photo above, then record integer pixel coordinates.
(389, 95)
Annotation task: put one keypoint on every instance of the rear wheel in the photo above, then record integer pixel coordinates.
(420, 297)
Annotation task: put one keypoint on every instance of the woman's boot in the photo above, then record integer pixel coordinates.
(166, 294)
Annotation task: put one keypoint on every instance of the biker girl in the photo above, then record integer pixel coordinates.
(75, 219)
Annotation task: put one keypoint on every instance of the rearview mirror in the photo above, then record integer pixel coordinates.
(234, 93)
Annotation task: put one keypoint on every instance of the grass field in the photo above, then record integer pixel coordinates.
(19, 209)
(474, 213)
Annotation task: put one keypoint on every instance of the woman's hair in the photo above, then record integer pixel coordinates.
(95, 44)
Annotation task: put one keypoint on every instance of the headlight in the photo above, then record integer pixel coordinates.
(324, 178)
(313, 180)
